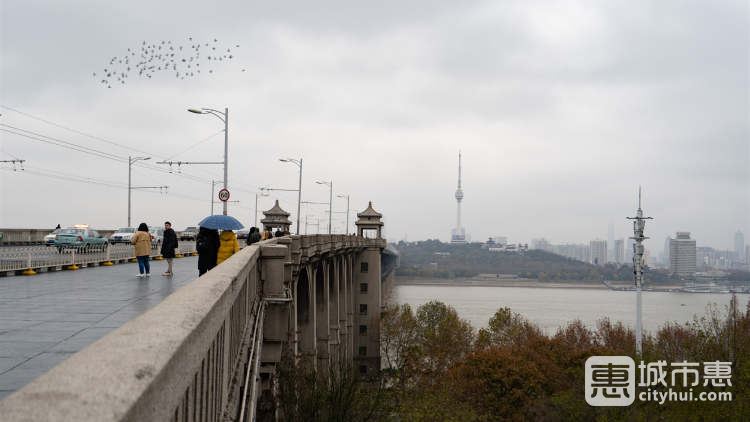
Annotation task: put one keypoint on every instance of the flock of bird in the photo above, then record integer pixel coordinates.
(184, 61)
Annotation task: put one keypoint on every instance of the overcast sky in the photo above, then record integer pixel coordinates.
(560, 108)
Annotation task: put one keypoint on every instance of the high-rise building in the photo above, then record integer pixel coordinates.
(619, 251)
(611, 242)
(739, 246)
(542, 244)
(682, 255)
(598, 252)
(458, 235)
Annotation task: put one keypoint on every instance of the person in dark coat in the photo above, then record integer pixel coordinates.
(168, 245)
(207, 245)
(253, 236)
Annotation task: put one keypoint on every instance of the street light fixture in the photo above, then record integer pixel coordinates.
(298, 163)
(347, 211)
(330, 202)
(224, 117)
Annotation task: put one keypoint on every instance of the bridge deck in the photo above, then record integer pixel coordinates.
(46, 318)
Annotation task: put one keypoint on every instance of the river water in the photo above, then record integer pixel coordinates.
(551, 308)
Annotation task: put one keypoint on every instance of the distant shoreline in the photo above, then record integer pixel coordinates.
(517, 282)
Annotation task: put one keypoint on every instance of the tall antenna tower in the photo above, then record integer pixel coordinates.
(639, 224)
(459, 234)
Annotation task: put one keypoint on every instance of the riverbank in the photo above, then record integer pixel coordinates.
(524, 282)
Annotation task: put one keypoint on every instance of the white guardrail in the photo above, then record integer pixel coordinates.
(29, 259)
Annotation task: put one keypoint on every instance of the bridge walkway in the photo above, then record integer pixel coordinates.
(47, 317)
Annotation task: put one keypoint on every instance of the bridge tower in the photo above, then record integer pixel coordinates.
(276, 218)
(367, 293)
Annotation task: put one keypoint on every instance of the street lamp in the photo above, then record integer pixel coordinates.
(224, 117)
(330, 202)
(347, 212)
(262, 193)
(298, 163)
(132, 160)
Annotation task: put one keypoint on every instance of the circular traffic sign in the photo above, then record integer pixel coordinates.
(224, 195)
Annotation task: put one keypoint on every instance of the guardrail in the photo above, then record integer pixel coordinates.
(30, 259)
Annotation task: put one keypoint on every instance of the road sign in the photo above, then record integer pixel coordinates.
(224, 195)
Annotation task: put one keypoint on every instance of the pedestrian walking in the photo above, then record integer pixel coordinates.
(278, 233)
(141, 241)
(228, 246)
(253, 236)
(207, 245)
(168, 246)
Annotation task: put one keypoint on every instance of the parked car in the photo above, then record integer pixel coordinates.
(122, 235)
(157, 236)
(242, 234)
(49, 240)
(189, 233)
(81, 239)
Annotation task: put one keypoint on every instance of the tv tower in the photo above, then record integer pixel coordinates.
(639, 223)
(459, 234)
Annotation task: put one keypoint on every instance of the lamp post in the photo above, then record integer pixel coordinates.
(347, 212)
(132, 160)
(255, 217)
(298, 163)
(224, 117)
(330, 202)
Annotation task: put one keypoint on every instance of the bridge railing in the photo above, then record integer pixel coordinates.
(19, 258)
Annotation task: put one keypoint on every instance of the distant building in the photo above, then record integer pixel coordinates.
(542, 244)
(619, 251)
(739, 247)
(682, 255)
(500, 240)
(611, 243)
(598, 250)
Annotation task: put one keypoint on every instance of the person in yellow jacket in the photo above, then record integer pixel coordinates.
(228, 246)
(141, 241)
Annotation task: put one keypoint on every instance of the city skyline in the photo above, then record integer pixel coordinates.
(547, 140)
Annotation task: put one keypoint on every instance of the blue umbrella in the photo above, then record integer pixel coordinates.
(221, 222)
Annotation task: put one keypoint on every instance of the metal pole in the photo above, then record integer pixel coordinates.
(226, 153)
(130, 166)
(347, 215)
(638, 338)
(299, 194)
(212, 196)
(330, 208)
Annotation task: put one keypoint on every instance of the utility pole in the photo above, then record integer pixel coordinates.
(347, 212)
(639, 224)
(132, 160)
(213, 190)
(330, 202)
